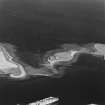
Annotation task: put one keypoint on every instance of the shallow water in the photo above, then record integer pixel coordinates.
(35, 27)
